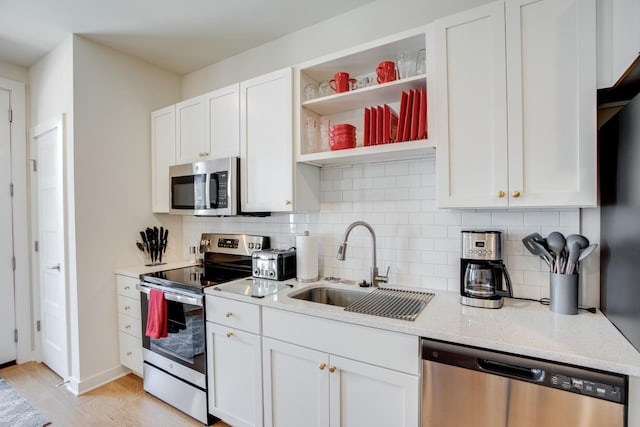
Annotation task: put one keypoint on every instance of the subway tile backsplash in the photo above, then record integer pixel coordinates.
(419, 242)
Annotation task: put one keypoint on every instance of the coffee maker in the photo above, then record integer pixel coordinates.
(482, 270)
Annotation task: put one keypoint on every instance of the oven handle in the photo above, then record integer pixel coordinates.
(172, 296)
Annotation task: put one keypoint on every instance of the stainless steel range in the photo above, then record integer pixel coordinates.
(175, 365)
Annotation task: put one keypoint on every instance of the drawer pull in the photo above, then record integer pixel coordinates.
(127, 307)
(332, 369)
(129, 353)
(229, 334)
(126, 288)
(229, 314)
(322, 366)
(128, 327)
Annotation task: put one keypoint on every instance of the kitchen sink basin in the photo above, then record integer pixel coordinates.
(331, 296)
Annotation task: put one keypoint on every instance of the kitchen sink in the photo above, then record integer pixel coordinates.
(331, 296)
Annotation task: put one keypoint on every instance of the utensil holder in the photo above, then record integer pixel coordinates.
(563, 293)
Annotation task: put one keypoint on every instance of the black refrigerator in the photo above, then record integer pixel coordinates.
(619, 171)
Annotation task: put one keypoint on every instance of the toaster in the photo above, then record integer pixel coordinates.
(274, 264)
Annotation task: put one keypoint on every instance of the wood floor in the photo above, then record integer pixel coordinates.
(120, 403)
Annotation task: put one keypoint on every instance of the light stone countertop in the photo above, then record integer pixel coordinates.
(520, 327)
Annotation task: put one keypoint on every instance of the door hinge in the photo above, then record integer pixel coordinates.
(35, 246)
(13, 263)
(35, 165)
(15, 335)
(37, 326)
(10, 115)
(11, 189)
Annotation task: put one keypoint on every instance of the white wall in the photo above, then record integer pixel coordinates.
(367, 23)
(113, 96)
(420, 242)
(14, 72)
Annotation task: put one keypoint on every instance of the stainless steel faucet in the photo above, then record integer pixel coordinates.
(342, 251)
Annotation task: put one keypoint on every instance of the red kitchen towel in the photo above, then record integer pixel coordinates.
(157, 319)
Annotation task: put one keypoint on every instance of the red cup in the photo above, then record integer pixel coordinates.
(386, 71)
(341, 82)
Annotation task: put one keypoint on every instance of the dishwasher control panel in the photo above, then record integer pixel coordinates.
(588, 388)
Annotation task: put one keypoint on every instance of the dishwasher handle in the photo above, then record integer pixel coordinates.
(511, 370)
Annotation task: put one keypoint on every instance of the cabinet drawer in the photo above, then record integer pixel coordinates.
(131, 352)
(129, 306)
(388, 349)
(127, 286)
(129, 325)
(236, 314)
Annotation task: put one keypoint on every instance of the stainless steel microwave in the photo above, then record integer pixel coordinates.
(208, 188)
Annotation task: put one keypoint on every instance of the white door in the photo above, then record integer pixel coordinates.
(266, 142)
(7, 296)
(47, 146)
(470, 108)
(223, 122)
(367, 395)
(551, 99)
(190, 135)
(163, 155)
(296, 385)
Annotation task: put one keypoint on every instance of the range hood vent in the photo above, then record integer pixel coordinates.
(613, 99)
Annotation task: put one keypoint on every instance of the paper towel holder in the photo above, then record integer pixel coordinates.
(307, 263)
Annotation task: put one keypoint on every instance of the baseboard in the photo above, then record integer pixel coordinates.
(80, 387)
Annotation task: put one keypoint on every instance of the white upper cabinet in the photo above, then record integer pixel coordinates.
(618, 38)
(191, 145)
(270, 182)
(222, 112)
(163, 145)
(516, 102)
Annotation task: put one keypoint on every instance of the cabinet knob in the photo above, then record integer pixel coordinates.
(332, 369)
(287, 202)
(126, 288)
(322, 366)
(203, 154)
(128, 327)
(516, 194)
(126, 307)
(229, 334)
(501, 194)
(128, 353)
(229, 314)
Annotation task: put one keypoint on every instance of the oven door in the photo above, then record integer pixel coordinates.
(185, 341)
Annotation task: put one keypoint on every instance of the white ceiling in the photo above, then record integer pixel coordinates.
(177, 35)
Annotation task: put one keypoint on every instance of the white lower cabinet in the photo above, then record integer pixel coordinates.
(234, 375)
(234, 362)
(312, 388)
(129, 323)
(319, 372)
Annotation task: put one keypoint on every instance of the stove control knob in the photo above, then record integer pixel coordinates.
(258, 246)
(250, 245)
(272, 273)
(256, 272)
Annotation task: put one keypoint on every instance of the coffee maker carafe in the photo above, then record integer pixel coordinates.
(482, 270)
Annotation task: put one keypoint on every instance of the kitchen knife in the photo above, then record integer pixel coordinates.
(160, 244)
(151, 246)
(144, 240)
(165, 240)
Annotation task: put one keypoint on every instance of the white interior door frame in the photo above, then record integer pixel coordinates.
(23, 289)
(50, 131)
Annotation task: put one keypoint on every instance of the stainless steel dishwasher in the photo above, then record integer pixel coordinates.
(466, 386)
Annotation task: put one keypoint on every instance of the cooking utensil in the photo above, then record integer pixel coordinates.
(556, 242)
(580, 239)
(587, 251)
(533, 244)
(574, 253)
(140, 246)
(160, 244)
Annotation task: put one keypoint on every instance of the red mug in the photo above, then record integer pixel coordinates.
(386, 71)
(341, 82)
